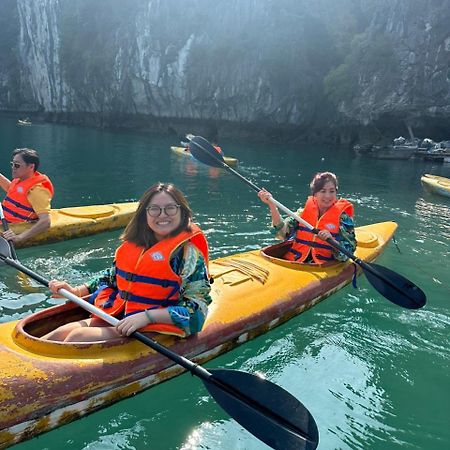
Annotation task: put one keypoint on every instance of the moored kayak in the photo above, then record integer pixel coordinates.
(46, 384)
(436, 184)
(183, 151)
(68, 223)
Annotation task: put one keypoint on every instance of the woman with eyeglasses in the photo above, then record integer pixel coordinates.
(28, 195)
(332, 216)
(159, 281)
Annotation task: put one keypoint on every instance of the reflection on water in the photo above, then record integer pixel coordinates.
(372, 374)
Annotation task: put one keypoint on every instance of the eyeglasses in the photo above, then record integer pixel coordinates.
(16, 165)
(169, 210)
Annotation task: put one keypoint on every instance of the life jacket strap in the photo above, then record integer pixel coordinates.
(130, 276)
(313, 244)
(18, 215)
(19, 205)
(297, 254)
(128, 296)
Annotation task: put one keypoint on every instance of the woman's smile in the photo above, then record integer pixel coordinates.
(158, 219)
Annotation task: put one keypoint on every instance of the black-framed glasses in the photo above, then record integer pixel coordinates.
(169, 210)
(15, 165)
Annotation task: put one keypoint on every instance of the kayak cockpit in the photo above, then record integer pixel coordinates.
(42, 322)
(275, 253)
(28, 333)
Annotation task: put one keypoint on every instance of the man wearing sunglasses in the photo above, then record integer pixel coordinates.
(28, 195)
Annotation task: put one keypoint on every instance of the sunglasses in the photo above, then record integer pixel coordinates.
(169, 210)
(15, 165)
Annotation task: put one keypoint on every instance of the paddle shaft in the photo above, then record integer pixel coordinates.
(6, 228)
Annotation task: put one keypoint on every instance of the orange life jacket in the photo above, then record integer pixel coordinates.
(305, 241)
(145, 279)
(16, 206)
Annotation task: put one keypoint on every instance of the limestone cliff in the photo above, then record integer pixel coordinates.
(284, 69)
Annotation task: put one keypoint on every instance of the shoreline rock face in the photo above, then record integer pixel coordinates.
(330, 70)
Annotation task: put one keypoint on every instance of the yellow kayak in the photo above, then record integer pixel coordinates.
(183, 151)
(69, 223)
(46, 384)
(436, 184)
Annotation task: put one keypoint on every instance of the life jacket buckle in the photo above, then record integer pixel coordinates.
(129, 276)
(125, 295)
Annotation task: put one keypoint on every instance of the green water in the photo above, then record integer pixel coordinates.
(374, 376)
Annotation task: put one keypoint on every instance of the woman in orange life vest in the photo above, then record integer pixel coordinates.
(159, 281)
(332, 216)
(28, 195)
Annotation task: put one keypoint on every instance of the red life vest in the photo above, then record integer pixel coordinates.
(16, 206)
(145, 279)
(306, 242)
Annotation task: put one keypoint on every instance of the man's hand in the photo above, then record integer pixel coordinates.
(11, 236)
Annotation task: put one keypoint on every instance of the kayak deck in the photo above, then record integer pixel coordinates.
(69, 223)
(436, 184)
(46, 384)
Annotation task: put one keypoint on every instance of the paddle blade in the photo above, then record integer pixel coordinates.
(5, 249)
(204, 151)
(264, 409)
(394, 287)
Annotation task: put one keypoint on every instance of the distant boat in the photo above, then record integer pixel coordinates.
(439, 152)
(401, 149)
(25, 121)
(400, 152)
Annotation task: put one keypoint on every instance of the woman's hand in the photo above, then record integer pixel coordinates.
(132, 323)
(264, 196)
(56, 285)
(324, 235)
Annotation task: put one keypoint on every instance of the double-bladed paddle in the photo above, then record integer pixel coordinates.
(388, 283)
(265, 409)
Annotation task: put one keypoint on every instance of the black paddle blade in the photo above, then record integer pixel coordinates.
(264, 409)
(394, 287)
(5, 249)
(205, 152)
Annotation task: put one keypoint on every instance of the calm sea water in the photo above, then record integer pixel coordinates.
(374, 376)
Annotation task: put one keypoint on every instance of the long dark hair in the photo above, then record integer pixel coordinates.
(138, 232)
(320, 179)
